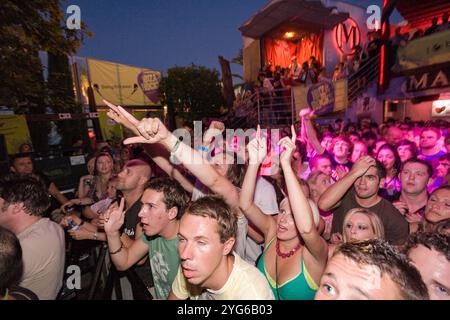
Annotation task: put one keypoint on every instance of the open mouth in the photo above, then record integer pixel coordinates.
(188, 272)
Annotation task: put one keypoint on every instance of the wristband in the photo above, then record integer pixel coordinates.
(172, 157)
(118, 250)
(175, 147)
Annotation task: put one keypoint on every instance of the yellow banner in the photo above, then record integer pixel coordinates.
(426, 51)
(139, 114)
(124, 85)
(110, 129)
(15, 130)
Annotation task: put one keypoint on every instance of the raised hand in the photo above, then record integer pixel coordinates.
(215, 128)
(306, 113)
(114, 217)
(340, 172)
(123, 117)
(401, 206)
(148, 130)
(288, 148)
(257, 148)
(362, 165)
(152, 130)
(413, 217)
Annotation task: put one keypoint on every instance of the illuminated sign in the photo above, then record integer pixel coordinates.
(348, 36)
(432, 79)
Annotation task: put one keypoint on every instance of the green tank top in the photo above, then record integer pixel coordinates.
(301, 287)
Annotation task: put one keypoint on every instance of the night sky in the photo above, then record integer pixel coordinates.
(159, 34)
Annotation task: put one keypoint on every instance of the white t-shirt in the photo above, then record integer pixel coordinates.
(245, 282)
(266, 197)
(43, 252)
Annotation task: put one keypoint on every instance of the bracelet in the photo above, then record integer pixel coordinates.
(118, 250)
(95, 235)
(172, 157)
(175, 147)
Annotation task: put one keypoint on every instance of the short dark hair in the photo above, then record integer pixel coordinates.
(11, 265)
(314, 160)
(174, 194)
(369, 135)
(420, 161)
(27, 189)
(344, 139)
(435, 130)
(14, 157)
(388, 260)
(431, 240)
(412, 146)
(216, 208)
(381, 170)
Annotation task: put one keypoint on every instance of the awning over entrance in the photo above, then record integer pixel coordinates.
(419, 13)
(305, 14)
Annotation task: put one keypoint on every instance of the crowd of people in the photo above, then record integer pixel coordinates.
(353, 211)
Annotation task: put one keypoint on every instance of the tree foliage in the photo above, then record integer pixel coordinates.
(27, 28)
(192, 93)
(239, 59)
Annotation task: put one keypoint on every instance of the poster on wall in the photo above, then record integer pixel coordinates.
(321, 97)
(440, 108)
(324, 97)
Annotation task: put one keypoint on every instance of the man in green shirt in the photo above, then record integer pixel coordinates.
(163, 203)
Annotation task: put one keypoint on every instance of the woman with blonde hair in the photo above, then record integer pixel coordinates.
(359, 225)
(362, 224)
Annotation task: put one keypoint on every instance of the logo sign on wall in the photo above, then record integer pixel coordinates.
(149, 83)
(348, 36)
(428, 79)
(440, 108)
(320, 97)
